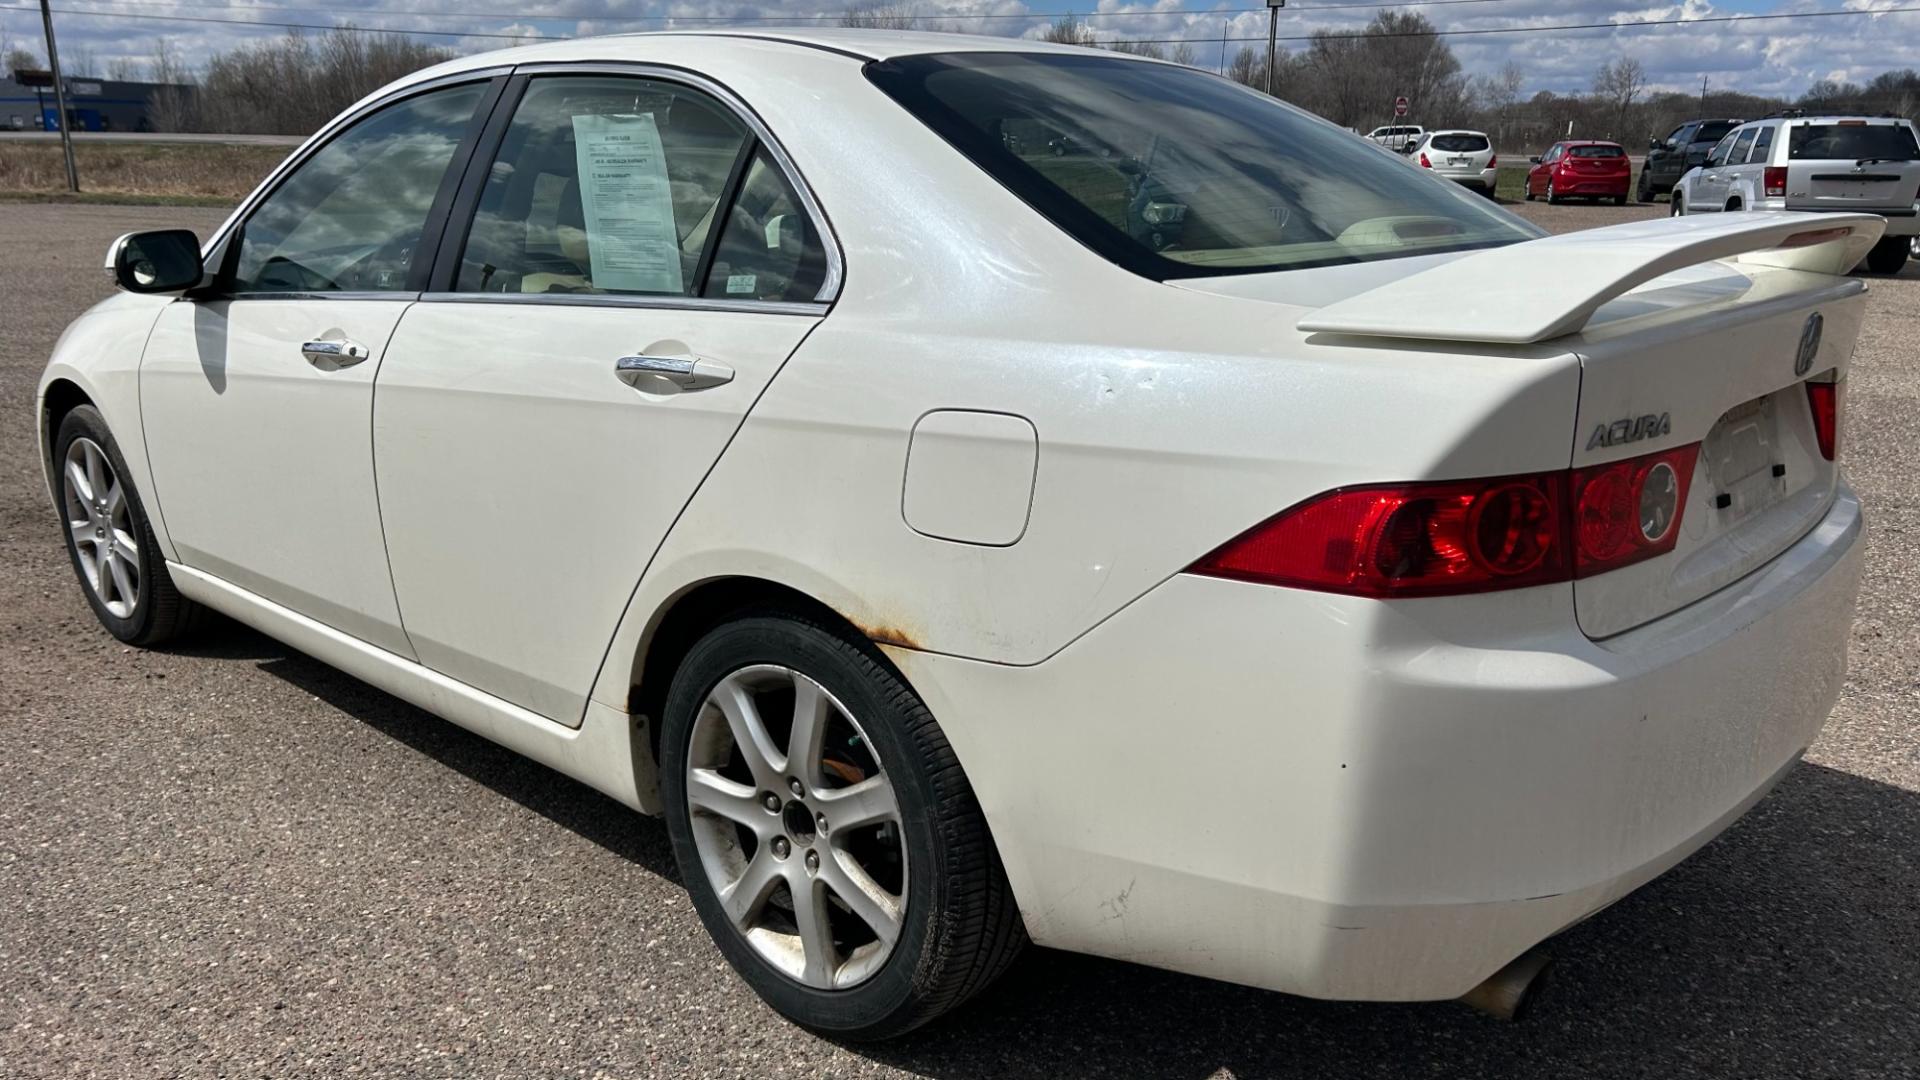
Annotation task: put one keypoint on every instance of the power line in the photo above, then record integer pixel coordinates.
(752, 19)
(1223, 40)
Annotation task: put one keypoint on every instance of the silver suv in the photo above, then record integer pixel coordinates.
(1867, 164)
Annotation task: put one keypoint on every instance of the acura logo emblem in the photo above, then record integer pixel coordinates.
(1809, 344)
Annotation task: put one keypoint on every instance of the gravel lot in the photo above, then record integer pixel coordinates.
(229, 860)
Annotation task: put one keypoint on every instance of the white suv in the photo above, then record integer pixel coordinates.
(1397, 137)
(1861, 164)
(1465, 157)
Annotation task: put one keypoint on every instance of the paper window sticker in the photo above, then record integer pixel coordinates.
(741, 283)
(627, 202)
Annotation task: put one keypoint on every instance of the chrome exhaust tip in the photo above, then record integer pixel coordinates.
(1510, 992)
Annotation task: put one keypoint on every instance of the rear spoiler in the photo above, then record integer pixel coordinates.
(1545, 288)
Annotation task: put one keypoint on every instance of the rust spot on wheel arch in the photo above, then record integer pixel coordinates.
(889, 634)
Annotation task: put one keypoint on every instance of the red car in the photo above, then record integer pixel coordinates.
(1587, 168)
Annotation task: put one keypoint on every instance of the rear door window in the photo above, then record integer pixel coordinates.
(603, 184)
(1741, 144)
(1762, 144)
(1855, 140)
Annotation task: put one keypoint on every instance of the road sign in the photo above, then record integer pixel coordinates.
(1400, 105)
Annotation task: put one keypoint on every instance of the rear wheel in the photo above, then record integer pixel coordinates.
(1889, 255)
(1644, 192)
(1619, 200)
(830, 842)
(109, 540)
(1676, 206)
(1551, 197)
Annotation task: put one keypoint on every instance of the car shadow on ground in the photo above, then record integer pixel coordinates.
(1786, 948)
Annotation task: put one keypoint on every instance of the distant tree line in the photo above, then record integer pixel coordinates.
(293, 84)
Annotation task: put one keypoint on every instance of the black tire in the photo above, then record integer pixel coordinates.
(1619, 200)
(1526, 190)
(960, 929)
(1552, 199)
(160, 614)
(1643, 192)
(1889, 255)
(1676, 206)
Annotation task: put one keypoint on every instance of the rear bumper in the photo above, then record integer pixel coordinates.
(1348, 799)
(1580, 185)
(1481, 179)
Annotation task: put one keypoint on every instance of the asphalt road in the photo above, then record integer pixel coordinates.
(229, 860)
(111, 137)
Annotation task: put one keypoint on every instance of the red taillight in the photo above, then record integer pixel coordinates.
(1493, 160)
(1774, 179)
(1466, 536)
(1424, 163)
(1626, 511)
(1828, 401)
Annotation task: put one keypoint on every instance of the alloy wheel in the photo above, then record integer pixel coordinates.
(797, 826)
(100, 521)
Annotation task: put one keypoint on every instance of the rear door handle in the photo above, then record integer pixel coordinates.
(683, 372)
(332, 354)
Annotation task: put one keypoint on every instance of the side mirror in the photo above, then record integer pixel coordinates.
(1656, 144)
(162, 261)
(1535, 160)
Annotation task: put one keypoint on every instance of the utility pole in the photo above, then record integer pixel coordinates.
(59, 98)
(1703, 97)
(1273, 37)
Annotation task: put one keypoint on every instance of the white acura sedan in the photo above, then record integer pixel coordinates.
(980, 491)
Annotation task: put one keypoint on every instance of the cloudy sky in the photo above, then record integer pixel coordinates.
(1767, 56)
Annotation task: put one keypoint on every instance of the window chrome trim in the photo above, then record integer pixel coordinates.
(318, 141)
(658, 302)
(822, 225)
(405, 295)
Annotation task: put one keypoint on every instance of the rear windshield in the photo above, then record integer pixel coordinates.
(1890, 142)
(1173, 172)
(1714, 130)
(1460, 144)
(1597, 151)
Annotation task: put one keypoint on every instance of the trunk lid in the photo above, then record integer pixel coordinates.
(1857, 164)
(1721, 358)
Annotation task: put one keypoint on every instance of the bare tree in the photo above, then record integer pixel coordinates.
(124, 69)
(1499, 93)
(171, 108)
(18, 58)
(1616, 84)
(1067, 30)
(878, 16)
(1136, 48)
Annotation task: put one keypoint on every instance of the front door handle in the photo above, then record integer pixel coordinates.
(682, 372)
(332, 354)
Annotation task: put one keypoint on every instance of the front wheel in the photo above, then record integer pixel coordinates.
(831, 844)
(1889, 255)
(1619, 200)
(1676, 206)
(109, 540)
(1643, 192)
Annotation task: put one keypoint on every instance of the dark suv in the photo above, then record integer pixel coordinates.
(1669, 159)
